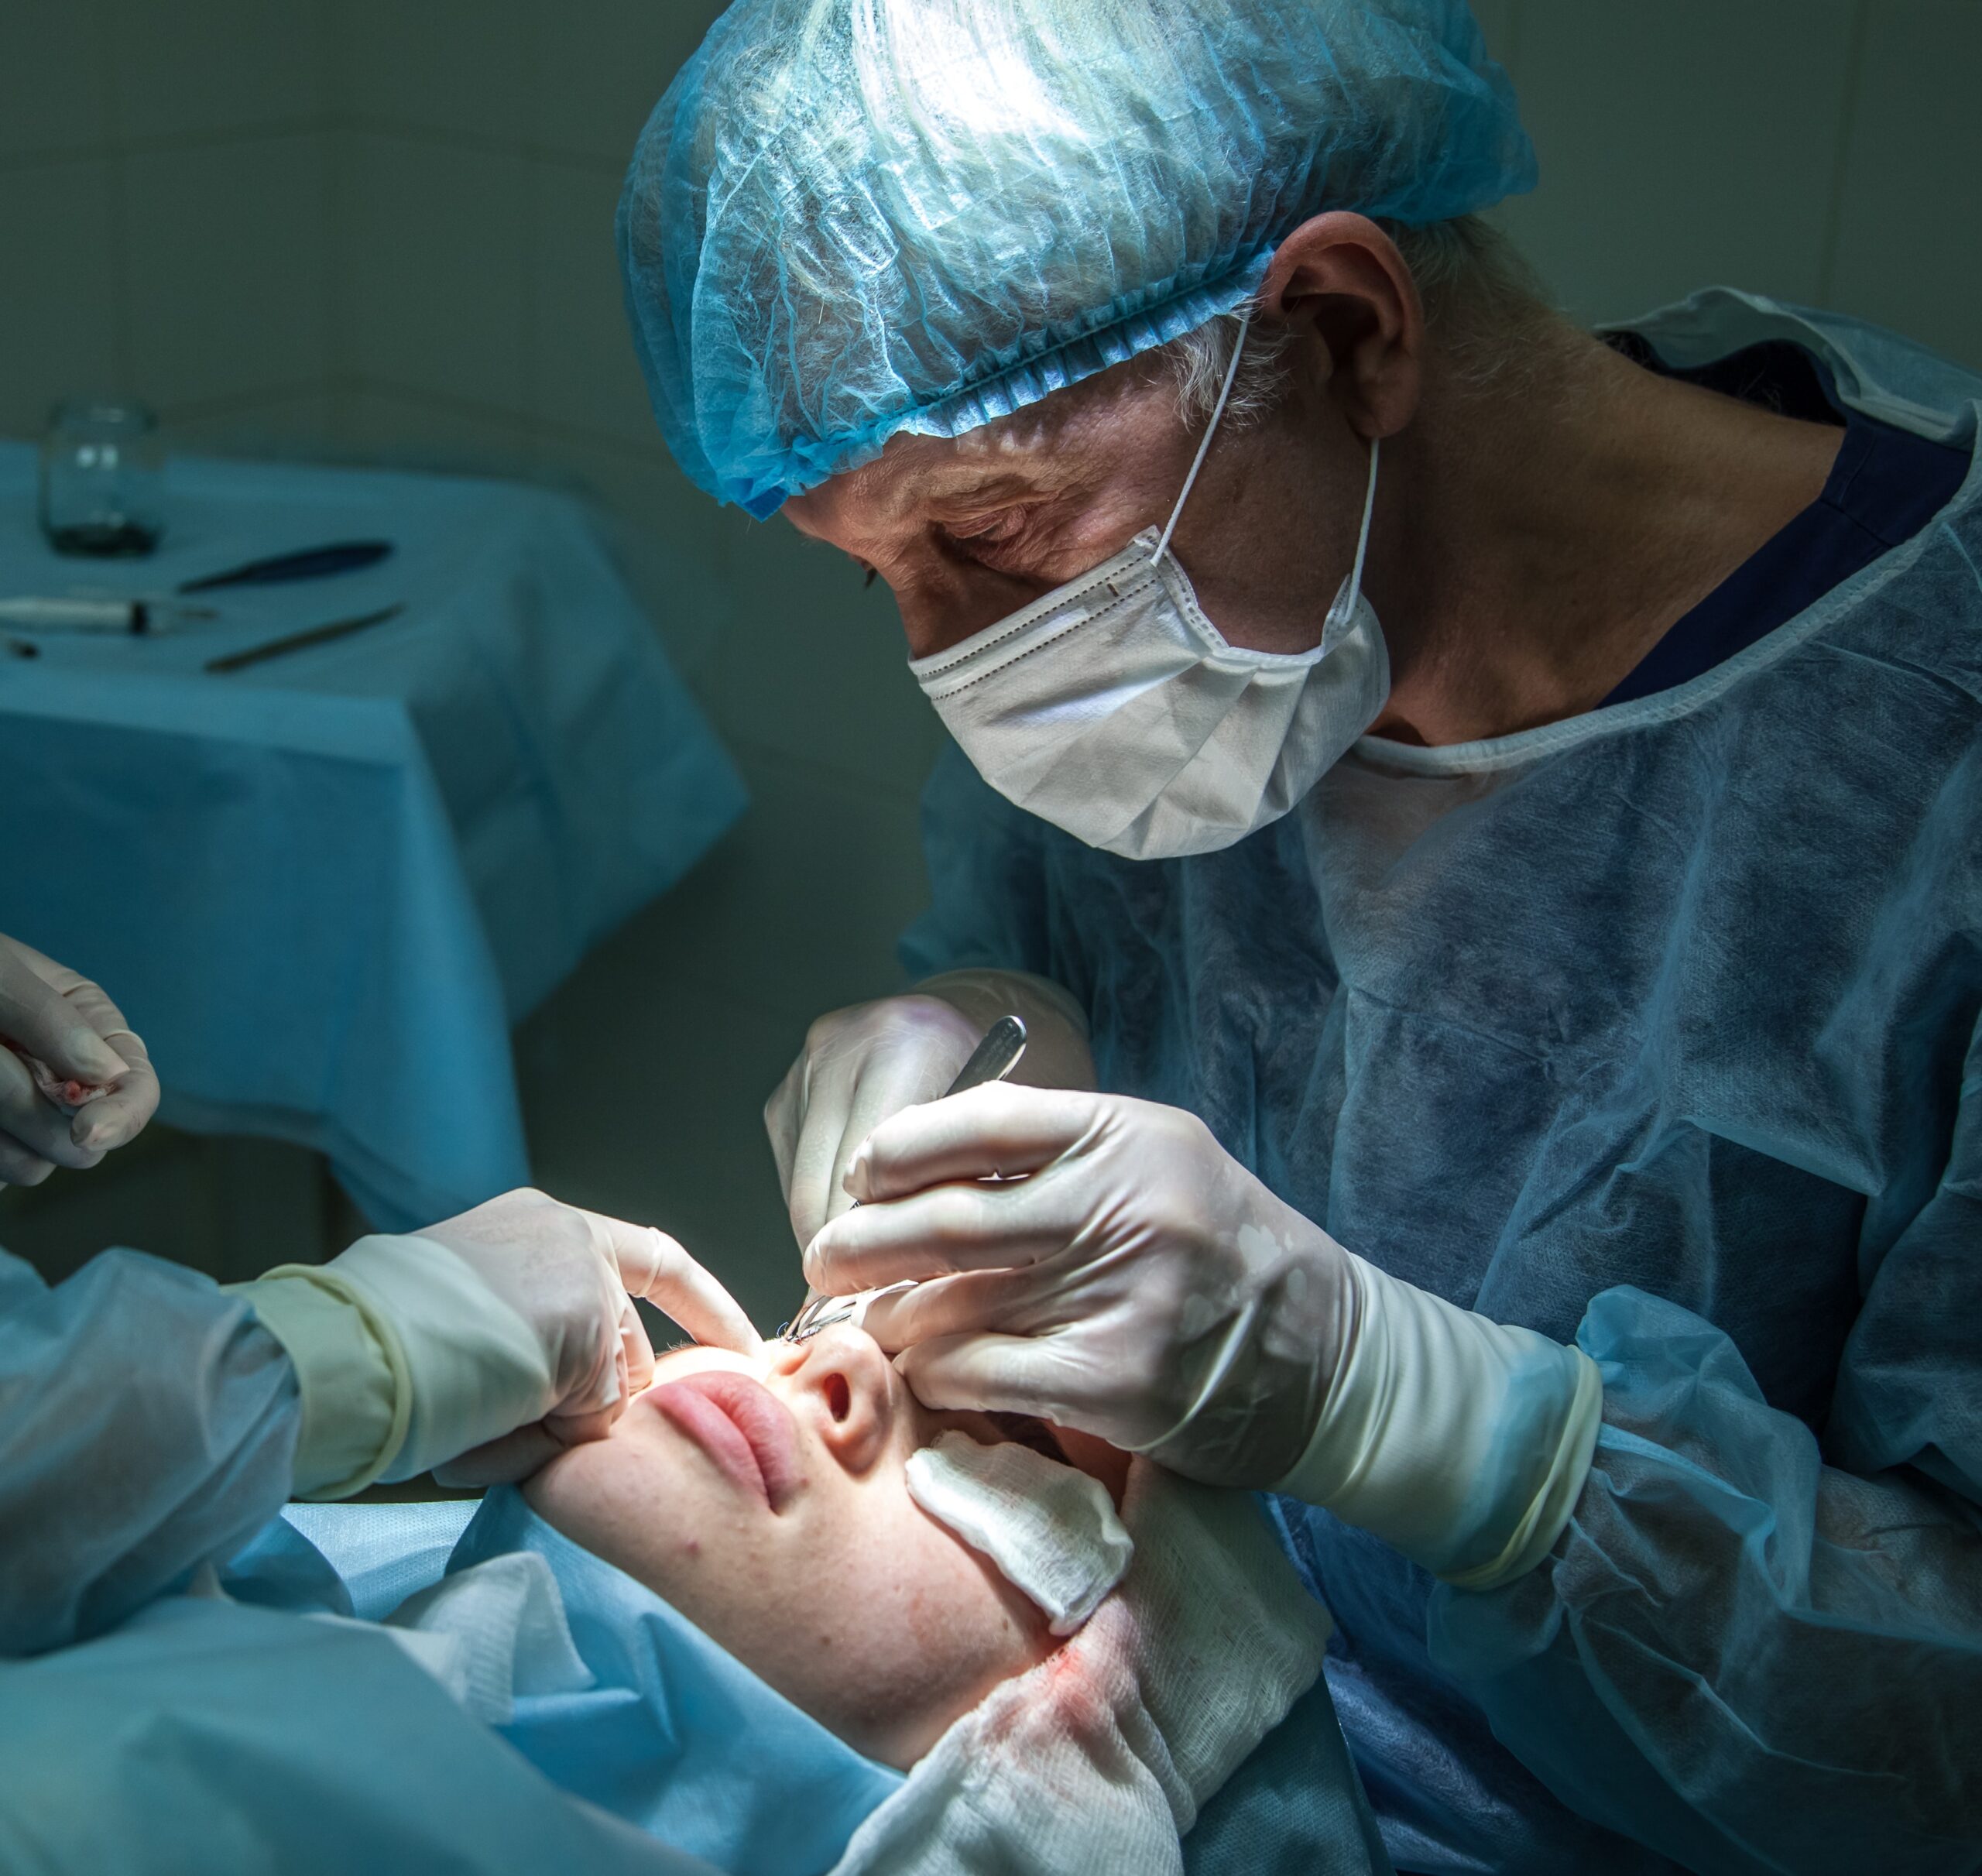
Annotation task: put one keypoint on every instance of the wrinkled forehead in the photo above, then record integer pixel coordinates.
(1059, 444)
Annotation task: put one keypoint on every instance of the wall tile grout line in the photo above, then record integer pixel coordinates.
(1847, 129)
(53, 156)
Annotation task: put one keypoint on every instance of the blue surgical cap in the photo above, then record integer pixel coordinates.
(848, 219)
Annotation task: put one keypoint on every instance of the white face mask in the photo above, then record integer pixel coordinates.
(1114, 708)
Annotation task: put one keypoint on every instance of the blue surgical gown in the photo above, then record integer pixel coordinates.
(1656, 1030)
(148, 1426)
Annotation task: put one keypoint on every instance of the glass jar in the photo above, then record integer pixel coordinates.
(102, 477)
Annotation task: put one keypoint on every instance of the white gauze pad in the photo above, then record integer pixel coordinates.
(1052, 1531)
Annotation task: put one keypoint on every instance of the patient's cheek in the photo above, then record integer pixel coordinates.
(936, 1629)
(570, 1496)
(622, 1500)
(858, 1607)
(598, 1500)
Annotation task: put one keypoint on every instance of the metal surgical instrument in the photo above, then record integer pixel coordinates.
(993, 1058)
(296, 641)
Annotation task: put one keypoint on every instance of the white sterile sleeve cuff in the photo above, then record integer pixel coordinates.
(476, 1368)
(350, 1371)
(1051, 1530)
(1462, 1442)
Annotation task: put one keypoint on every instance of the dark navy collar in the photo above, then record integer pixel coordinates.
(1885, 487)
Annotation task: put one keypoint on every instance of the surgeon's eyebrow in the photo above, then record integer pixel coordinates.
(985, 497)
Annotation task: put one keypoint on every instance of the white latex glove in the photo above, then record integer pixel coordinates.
(1127, 1277)
(861, 1064)
(510, 1332)
(67, 1096)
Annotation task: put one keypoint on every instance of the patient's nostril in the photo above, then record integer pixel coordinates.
(839, 1396)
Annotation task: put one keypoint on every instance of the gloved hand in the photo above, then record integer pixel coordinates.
(67, 1097)
(863, 1063)
(1127, 1277)
(508, 1333)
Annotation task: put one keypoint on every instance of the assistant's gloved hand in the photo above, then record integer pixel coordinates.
(867, 1061)
(1128, 1277)
(67, 1096)
(483, 1345)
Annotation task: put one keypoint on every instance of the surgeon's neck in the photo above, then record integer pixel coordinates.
(1534, 540)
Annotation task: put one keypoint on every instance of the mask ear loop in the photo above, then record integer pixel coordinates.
(1211, 431)
(1345, 603)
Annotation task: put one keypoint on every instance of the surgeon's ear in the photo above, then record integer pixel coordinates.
(1339, 279)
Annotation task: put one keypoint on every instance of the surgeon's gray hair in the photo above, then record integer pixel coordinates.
(1486, 311)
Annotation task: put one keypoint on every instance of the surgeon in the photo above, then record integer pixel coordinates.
(151, 1421)
(1482, 821)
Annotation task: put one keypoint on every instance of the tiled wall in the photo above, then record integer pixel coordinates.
(1824, 151)
(382, 229)
(480, 314)
(165, 176)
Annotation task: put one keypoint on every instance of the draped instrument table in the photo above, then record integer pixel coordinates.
(325, 886)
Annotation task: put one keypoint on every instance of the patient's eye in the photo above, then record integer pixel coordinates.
(1028, 1432)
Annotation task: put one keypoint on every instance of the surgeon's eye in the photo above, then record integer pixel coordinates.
(1024, 1431)
(980, 536)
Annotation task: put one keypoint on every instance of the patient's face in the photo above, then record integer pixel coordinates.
(766, 1500)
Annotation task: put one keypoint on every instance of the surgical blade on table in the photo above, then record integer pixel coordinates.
(321, 563)
(299, 641)
(994, 1057)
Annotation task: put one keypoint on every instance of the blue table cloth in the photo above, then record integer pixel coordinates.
(324, 887)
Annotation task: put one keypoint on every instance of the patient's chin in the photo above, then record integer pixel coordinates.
(580, 1491)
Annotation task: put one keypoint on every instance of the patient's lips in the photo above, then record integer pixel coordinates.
(743, 1428)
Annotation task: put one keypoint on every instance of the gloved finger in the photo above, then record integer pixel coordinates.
(934, 1233)
(1003, 1374)
(33, 1121)
(973, 1302)
(636, 1350)
(998, 1129)
(20, 1166)
(783, 1113)
(581, 1429)
(652, 1264)
(818, 1158)
(600, 1388)
(120, 1116)
(849, 1095)
(502, 1462)
(124, 1113)
(902, 1055)
(41, 1021)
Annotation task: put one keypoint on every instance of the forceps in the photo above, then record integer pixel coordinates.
(992, 1059)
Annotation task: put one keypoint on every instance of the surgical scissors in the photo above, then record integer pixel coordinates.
(994, 1057)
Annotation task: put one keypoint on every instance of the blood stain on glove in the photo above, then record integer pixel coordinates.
(65, 1092)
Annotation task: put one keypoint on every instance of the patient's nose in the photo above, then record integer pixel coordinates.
(843, 1381)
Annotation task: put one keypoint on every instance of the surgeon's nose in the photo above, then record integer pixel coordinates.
(843, 1383)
